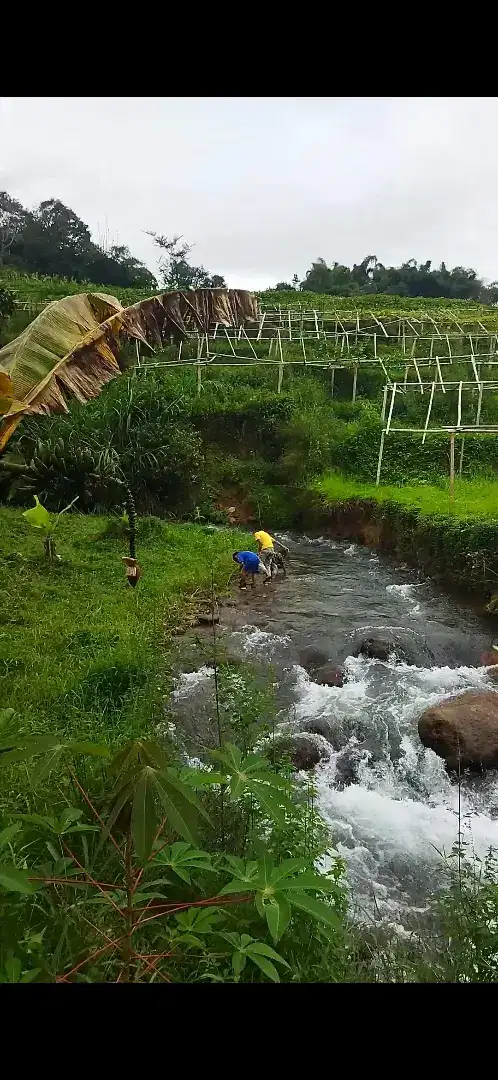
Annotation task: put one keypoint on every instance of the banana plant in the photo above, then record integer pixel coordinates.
(39, 517)
(71, 350)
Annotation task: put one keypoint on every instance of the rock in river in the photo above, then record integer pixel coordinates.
(465, 728)
(330, 675)
(375, 648)
(311, 659)
(305, 750)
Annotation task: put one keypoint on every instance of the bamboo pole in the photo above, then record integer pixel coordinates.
(281, 365)
(391, 407)
(332, 381)
(199, 368)
(355, 381)
(384, 403)
(479, 406)
(431, 399)
(459, 414)
(381, 452)
(452, 466)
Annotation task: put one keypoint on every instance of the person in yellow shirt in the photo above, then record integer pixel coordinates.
(266, 551)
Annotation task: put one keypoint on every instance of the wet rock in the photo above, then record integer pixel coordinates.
(382, 647)
(489, 659)
(305, 751)
(346, 765)
(311, 659)
(375, 648)
(463, 729)
(330, 675)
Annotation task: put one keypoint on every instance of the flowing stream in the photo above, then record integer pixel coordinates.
(391, 806)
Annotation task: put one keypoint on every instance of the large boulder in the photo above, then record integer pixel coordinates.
(330, 675)
(304, 750)
(311, 658)
(375, 648)
(463, 730)
(382, 647)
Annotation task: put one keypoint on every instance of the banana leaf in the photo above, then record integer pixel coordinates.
(71, 349)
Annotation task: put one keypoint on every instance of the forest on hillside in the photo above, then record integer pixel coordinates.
(52, 240)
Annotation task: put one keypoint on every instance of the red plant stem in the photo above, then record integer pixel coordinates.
(152, 964)
(95, 812)
(91, 879)
(98, 952)
(72, 881)
(199, 903)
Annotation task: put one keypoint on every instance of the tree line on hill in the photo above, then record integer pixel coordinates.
(409, 279)
(53, 241)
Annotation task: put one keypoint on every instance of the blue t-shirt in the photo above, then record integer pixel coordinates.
(250, 561)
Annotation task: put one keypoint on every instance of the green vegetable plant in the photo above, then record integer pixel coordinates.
(39, 517)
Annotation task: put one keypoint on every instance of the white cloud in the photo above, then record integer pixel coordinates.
(264, 185)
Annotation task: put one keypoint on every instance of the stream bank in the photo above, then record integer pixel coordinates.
(459, 553)
(388, 801)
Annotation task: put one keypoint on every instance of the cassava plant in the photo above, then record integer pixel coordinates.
(123, 886)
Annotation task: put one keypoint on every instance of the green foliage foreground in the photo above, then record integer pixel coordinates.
(119, 861)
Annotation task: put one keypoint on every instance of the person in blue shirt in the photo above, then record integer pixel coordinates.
(250, 565)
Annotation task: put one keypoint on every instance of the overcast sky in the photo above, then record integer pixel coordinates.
(263, 186)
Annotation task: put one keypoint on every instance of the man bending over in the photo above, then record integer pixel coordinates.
(250, 565)
(268, 548)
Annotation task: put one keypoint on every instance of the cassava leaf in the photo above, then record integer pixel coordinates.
(278, 916)
(317, 908)
(6, 835)
(15, 880)
(144, 822)
(266, 950)
(265, 965)
(178, 810)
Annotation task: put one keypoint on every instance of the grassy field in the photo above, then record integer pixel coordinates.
(474, 499)
(80, 651)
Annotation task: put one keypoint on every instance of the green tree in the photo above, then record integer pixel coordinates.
(175, 269)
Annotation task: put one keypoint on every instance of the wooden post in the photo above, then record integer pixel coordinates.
(280, 365)
(332, 380)
(381, 451)
(137, 349)
(355, 380)
(460, 467)
(452, 466)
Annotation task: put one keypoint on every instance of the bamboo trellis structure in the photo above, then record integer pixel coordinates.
(476, 385)
(346, 340)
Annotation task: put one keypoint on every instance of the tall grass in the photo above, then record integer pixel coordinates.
(79, 650)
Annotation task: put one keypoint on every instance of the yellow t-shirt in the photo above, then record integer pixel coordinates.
(265, 539)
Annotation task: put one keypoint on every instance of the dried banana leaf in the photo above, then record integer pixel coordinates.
(71, 349)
